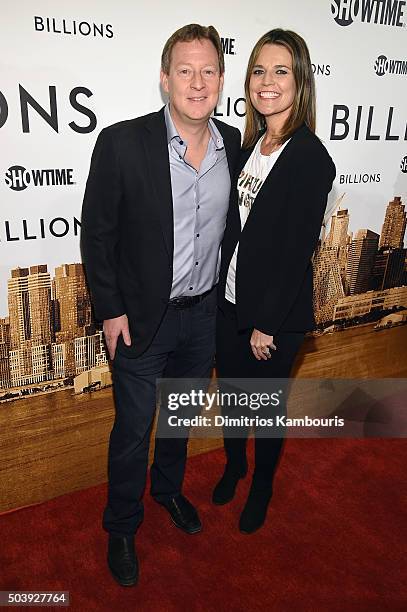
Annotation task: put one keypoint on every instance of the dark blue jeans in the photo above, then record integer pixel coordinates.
(183, 347)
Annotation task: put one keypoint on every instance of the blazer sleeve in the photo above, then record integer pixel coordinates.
(100, 228)
(299, 226)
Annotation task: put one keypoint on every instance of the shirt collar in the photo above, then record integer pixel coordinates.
(172, 131)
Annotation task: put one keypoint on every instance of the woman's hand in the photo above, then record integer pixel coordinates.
(261, 345)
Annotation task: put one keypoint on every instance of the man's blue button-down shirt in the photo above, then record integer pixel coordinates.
(200, 204)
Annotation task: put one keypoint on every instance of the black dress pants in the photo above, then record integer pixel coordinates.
(235, 359)
(183, 347)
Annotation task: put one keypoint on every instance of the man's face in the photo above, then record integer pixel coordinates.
(194, 81)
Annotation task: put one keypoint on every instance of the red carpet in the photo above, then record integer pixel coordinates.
(334, 541)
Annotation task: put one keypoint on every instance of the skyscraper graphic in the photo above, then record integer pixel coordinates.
(19, 307)
(29, 295)
(72, 307)
(361, 258)
(50, 333)
(39, 291)
(72, 314)
(328, 287)
(339, 239)
(394, 226)
(338, 233)
(329, 265)
(20, 326)
(388, 269)
(4, 352)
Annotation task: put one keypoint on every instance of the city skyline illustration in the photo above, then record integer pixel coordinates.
(362, 273)
(50, 334)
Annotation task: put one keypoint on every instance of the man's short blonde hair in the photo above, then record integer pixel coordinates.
(188, 33)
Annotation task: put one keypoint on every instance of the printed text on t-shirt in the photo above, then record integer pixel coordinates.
(248, 188)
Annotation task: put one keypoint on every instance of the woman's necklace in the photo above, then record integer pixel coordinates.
(269, 147)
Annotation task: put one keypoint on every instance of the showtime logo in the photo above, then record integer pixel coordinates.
(228, 46)
(18, 178)
(380, 12)
(403, 165)
(383, 65)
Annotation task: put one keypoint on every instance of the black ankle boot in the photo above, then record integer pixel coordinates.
(255, 510)
(224, 491)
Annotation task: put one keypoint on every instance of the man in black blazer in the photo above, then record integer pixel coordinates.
(153, 218)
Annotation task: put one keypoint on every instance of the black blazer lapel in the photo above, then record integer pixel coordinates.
(231, 154)
(234, 224)
(156, 150)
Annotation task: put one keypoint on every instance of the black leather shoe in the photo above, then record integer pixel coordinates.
(122, 560)
(255, 510)
(225, 490)
(183, 514)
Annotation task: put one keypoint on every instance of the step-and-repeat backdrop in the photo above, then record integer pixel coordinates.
(70, 68)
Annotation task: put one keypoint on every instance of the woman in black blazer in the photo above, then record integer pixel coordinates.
(273, 225)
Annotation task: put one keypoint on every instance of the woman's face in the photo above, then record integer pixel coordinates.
(272, 84)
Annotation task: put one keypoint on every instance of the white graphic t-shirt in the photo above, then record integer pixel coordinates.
(249, 183)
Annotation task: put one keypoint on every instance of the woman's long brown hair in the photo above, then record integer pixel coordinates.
(304, 105)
